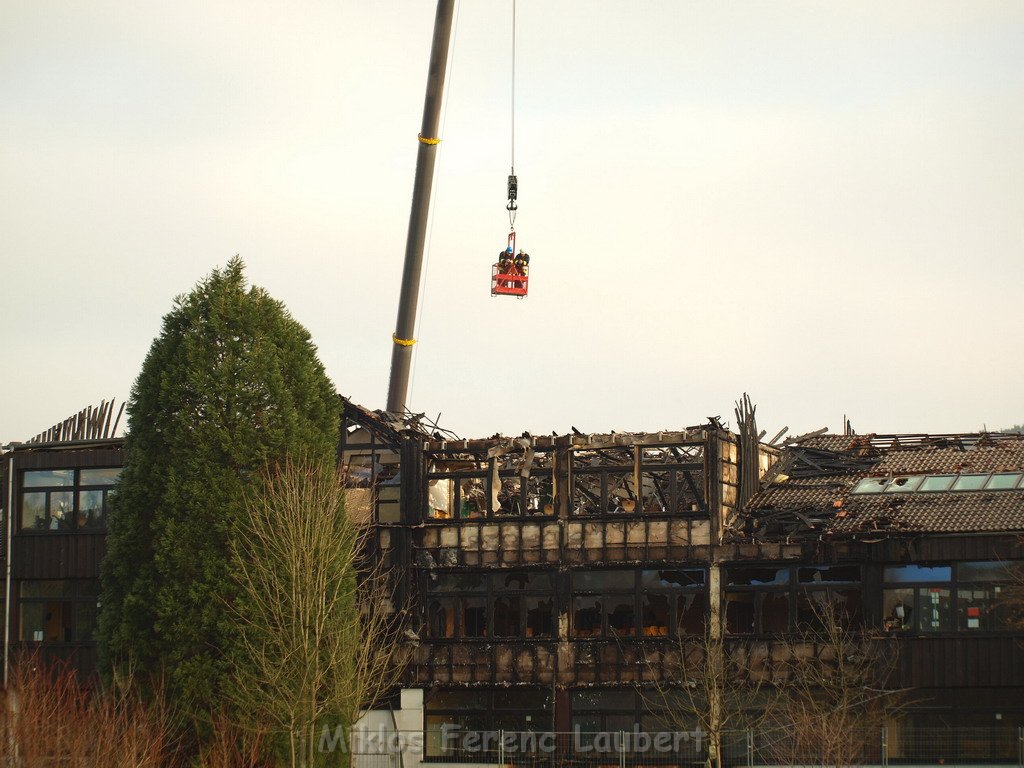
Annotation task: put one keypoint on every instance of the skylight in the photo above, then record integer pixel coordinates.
(974, 481)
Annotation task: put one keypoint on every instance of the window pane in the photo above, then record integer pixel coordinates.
(935, 609)
(990, 570)
(621, 618)
(460, 582)
(474, 617)
(904, 485)
(509, 497)
(969, 482)
(514, 581)
(61, 510)
(936, 483)
(441, 618)
(655, 614)
(757, 576)
(457, 700)
(815, 607)
(614, 723)
(91, 509)
(43, 478)
(83, 627)
(976, 608)
(33, 511)
(598, 580)
(440, 498)
(540, 617)
(48, 622)
(472, 499)
(1002, 481)
(775, 612)
(828, 574)
(871, 485)
(898, 609)
(669, 579)
(739, 612)
(691, 610)
(586, 724)
(99, 476)
(907, 574)
(507, 617)
(586, 620)
(522, 698)
(603, 700)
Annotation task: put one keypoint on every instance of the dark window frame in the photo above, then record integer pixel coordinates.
(539, 484)
(955, 585)
(77, 598)
(618, 475)
(793, 588)
(489, 594)
(76, 524)
(491, 713)
(638, 591)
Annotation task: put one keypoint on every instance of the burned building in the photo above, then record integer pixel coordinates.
(550, 579)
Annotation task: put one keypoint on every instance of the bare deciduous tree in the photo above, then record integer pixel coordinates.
(316, 619)
(706, 684)
(834, 680)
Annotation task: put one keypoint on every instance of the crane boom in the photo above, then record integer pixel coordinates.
(405, 327)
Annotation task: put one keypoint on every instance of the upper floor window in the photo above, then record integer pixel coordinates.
(467, 485)
(503, 604)
(655, 479)
(631, 603)
(66, 500)
(765, 599)
(966, 596)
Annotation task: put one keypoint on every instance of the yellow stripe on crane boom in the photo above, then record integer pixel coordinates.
(402, 342)
(425, 140)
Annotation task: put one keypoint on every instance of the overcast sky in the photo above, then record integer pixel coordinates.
(821, 204)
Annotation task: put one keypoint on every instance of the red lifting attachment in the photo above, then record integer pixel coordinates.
(511, 275)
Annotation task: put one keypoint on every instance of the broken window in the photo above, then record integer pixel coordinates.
(671, 479)
(661, 479)
(647, 603)
(772, 599)
(603, 490)
(370, 467)
(501, 605)
(468, 485)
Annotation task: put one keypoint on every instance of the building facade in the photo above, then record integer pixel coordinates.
(553, 582)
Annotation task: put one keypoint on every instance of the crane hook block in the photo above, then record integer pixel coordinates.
(513, 192)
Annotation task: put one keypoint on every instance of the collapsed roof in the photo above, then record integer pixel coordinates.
(858, 485)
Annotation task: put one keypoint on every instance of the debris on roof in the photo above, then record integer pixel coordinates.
(809, 491)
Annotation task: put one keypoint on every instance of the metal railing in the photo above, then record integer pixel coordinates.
(902, 746)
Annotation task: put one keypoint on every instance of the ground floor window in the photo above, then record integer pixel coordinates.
(450, 714)
(58, 611)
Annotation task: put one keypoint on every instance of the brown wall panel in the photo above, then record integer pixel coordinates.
(57, 556)
(939, 662)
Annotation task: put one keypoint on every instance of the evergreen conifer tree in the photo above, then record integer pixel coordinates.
(231, 385)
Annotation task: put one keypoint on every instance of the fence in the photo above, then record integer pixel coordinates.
(905, 746)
